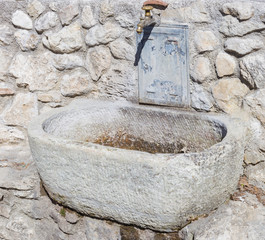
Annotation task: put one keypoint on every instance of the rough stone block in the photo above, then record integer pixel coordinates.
(255, 103)
(22, 110)
(67, 61)
(68, 13)
(195, 13)
(6, 35)
(102, 34)
(10, 135)
(107, 231)
(225, 64)
(5, 61)
(201, 99)
(35, 71)
(49, 97)
(75, 84)
(240, 10)
(98, 61)
(122, 50)
(229, 94)
(255, 149)
(88, 18)
(69, 39)
(46, 22)
(22, 20)
(201, 70)
(6, 89)
(252, 68)
(243, 219)
(106, 11)
(256, 175)
(243, 46)
(27, 40)
(205, 41)
(35, 8)
(231, 27)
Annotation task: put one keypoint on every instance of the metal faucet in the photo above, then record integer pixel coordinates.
(147, 20)
(150, 19)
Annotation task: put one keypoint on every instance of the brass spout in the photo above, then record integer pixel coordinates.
(147, 10)
(147, 20)
(140, 26)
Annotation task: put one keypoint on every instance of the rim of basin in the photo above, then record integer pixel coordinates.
(234, 128)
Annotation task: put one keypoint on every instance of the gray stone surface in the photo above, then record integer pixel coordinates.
(76, 83)
(252, 68)
(243, 219)
(243, 46)
(52, 96)
(35, 71)
(195, 12)
(201, 70)
(5, 60)
(72, 217)
(67, 40)
(102, 34)
(255, 149)
(122, 50)
(35, 8)
(119, 81)
(125, 14)
(255, 103)
(240, 10)
(6, 89)
(231, 27)
(88, 19)
(23, 109)
(10, 135)
(13, 177)
(256, 175)
(67, 61)
(97, 230)
(229, 93)
(225, 64)
(6, 35)
(201, 99)
(27, 40)
(115, 187)
(106, 11)
(205, 41)
(46, 21)
(20, 227)
(21, 20)
(5, 211)
(54, 6)
(68, 13)
(98, 61)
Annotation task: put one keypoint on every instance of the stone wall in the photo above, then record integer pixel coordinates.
(54, 51)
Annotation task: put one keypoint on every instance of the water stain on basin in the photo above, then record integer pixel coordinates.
(146, 166)
(127, 141)
(141, 130)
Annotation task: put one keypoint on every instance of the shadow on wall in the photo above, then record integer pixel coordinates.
(142, 43)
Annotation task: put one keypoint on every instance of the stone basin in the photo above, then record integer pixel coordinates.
(153, 167)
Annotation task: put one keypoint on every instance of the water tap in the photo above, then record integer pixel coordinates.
(150, 18)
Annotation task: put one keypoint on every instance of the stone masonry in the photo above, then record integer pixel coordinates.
(54, 51)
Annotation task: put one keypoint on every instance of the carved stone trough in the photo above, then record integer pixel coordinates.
(153, 167)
